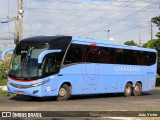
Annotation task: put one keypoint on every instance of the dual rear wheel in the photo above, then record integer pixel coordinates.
(136, 90)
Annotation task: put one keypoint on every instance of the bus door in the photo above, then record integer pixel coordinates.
(50, 67)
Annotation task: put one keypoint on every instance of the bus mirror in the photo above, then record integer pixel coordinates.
(5, 52)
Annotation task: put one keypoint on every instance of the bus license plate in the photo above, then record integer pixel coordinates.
(20, 92)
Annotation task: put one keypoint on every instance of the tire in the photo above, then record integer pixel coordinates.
(64, 93)
(128, 90)
(137, 90)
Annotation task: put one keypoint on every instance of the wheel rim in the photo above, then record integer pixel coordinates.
(62, 92)
(128, 90)
(137, 89)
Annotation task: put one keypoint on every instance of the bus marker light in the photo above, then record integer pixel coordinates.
(93, 44)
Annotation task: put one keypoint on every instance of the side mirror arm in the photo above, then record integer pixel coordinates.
(5, 52)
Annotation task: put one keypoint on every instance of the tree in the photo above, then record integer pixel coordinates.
(151, 44)
(156, 20)
(131, 43)
(154, 44)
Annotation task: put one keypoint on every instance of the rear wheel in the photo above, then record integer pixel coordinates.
(128, 90)
(137, 90)
(64, 93)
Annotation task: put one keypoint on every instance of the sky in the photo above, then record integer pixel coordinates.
(124, 19)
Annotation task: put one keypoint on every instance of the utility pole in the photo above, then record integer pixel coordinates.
(20, 20)
(140, 38)
(151, 31)
(30, 30)
(107, 32)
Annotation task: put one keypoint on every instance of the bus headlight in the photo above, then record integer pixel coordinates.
(37, 84)
(40, 83)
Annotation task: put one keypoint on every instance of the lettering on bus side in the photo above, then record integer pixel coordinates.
(126, 69)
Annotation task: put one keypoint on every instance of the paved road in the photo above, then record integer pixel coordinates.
(148, 101)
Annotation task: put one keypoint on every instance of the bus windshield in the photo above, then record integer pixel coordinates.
(24, 64)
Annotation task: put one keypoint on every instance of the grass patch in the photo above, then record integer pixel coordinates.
(4, 93)
(3, 82)
(157, 87)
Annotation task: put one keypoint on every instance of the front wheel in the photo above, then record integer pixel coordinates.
(64, 93)
(137, 90)
(128, 90)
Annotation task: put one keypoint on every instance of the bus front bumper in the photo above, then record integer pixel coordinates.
(33, 91)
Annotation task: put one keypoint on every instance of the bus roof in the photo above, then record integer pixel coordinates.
(42, 39)
(107, 43)
(80, 40)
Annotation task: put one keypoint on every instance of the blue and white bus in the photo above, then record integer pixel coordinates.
(64, 65)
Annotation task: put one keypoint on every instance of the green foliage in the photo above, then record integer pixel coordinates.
(3, 82)
(4, 67)
(154, 44)
(158, 35)
(156, 20)
(4, 93)
(151, 44)
(131, 43)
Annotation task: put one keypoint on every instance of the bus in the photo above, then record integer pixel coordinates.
(63, 66)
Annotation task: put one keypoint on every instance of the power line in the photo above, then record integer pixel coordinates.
(128, 30)
(71, 21)
(126, 17)
(82, 14)
(77, 17)
(101, 17)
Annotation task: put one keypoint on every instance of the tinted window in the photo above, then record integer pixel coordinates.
(49, 67)
(74, 54)
(96, 54)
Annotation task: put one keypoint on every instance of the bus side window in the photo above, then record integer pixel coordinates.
(74, 54)
(49, 66)
(152, 58)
